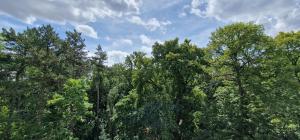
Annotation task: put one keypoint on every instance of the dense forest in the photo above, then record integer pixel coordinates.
(243, 85)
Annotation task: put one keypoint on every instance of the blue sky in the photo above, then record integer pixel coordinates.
(124, 26)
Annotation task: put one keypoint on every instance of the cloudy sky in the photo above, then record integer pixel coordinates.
(124, 26)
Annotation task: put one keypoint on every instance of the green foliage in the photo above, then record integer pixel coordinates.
(243, 85)
(66, 109)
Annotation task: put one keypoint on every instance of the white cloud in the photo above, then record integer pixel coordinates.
(107, 38)
(168, 3)
(151, 24)
(147, 44)
(122, 43)
(147, 40)
(196, 7)
(276, 15)
(147, 50)
(118, 50)
(87, 30)
(126, 41)
(115, 57)
(76, 12)
(7, 25)
(30, 20)
(90, 53)
(73, 11)
(184, 11)
(183, 14)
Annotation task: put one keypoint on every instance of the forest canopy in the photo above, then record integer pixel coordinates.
(244, 84)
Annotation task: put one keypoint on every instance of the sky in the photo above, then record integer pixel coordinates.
(124, 26)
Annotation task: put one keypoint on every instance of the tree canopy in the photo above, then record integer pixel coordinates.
(244, 85)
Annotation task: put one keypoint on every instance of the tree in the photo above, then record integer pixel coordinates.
(283, 85)
(243, 85)
(183, 65)
(289, 45)
(34, 69)
(76, 56)
(66, 109)
(98, 89)
(236, 52)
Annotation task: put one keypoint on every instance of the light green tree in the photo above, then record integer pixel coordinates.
(66, 109)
